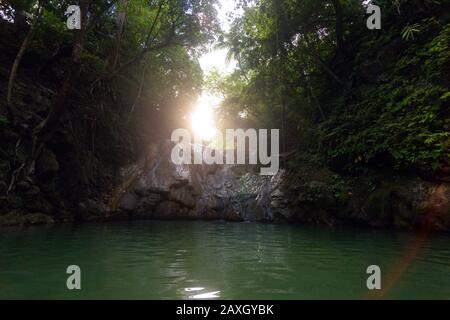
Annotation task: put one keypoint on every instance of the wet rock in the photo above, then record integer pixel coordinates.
(17, 218)
(184, 196)
(150, 201)
(407, 203)
(38, 218)
(435, 210)
(38, 204)
(168, 210)
(208, 202)
(162, 175)
(233, 214)
(377, 209)
(163, 190)
(196, 191)
(11, 219)
(279, 206)
(91, 210)
(129, 202)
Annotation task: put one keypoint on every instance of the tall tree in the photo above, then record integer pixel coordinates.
(43, 130)
(339, 28)
(120, 25)
(12, 76)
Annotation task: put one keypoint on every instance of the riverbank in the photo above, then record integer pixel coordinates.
(156, 189)
(105, 163)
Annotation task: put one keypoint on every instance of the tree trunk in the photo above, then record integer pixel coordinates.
(312, 53)
(12, 76)
(339, 29)
(141, 55)
(121, 18)
(44, 130)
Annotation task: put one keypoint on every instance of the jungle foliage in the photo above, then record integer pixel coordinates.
(132, 60)
(350, 97)
(78, 104)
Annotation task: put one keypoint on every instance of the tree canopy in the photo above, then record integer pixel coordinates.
(351, 97)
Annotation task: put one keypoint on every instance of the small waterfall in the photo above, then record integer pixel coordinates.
(158, 188)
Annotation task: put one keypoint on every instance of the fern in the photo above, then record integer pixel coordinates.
(409, 31)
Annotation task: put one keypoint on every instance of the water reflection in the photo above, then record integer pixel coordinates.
(193, 289)
(199, 293)
(208, 295)
(194, 260)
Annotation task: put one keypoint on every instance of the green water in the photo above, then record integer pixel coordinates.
(182, 260)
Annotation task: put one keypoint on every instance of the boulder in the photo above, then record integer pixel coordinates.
(129, 202)
(169, 210)
(91, 210)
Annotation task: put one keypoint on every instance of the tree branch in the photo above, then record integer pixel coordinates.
(12, 76)
(339, 29)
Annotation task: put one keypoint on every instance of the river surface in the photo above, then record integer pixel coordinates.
(201, 260)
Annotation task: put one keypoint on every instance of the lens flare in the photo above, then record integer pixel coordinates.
(203, 122)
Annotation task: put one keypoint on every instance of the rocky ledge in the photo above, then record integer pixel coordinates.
(158, 189)
(155, 188)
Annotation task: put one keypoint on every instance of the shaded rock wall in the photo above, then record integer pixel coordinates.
(163, 190)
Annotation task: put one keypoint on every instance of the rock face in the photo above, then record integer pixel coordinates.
(155, 188)
(411, 203)
(376, 201)
(159, 189)
(164, 190)
(17, 218)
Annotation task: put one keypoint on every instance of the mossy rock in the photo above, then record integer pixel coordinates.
(377, 208)
(19, 219)
(91, 210)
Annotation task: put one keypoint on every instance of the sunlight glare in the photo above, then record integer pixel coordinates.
(202, 121)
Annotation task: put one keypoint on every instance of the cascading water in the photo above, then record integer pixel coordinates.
(164, 190)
